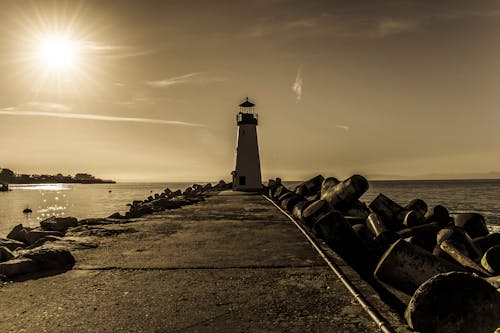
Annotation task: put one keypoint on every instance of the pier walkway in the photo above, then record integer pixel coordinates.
(234, 263)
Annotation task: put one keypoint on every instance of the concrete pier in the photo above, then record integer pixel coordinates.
(234, 263)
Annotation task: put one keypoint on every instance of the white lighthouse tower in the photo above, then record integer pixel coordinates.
(246, 176)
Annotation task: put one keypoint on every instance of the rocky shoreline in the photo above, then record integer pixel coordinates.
(26, 252)
(440, 273)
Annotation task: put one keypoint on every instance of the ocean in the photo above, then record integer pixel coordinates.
(101, 200)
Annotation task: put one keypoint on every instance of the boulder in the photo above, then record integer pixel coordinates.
(138, 211)
(310, 186)
(473, 224)
(458, 237)
(11, 244)
(314, 211)
(338, 234)
(406, 266)
(299, 208)
(18, 233)
(328, 184)
(419, 206)
(58, 223)
(491, 260)
(18, 266)
(459, 254)
(413, 219)
(388, 211)
(44, 240)
(454, 302)
(163, 204)
(50, 258)
(438, 214)
(290, 202)
(116, 216)
(5, 254)
(33, 235)
(343, 195)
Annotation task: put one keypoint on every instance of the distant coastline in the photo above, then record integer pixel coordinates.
(7, 176)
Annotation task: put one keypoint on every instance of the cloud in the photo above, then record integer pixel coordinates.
(297, 86)
(114, 51)
(48, 106)
(15, 111)
(197, 77)
(344, 127)
(388, 27)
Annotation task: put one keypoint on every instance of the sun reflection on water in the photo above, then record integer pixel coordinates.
(41, 187)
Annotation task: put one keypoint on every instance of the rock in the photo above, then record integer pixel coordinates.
(176, 193)
(290, 202)
(418, 206)
(5, 254)
(355, 220)
(314, 211)
(454, 302)
(346, 193)
(116, 216)
(338, 234)
(432, 228)
(457, 236)
(18, 266)
(163, 204)
(207, 187)
(328, 185)
(375, 225)
(310, 186)
(58, 223)
(406, 266)
(357, 209)
(438, 214)
(491, 260)
(94, 221)
(44, 240)
(483, 243)
(299, 208)
(18, 233)
(460, 255)
(33, 235)
(388, 211)
(11, 244)
(413, 219)
(473, 224)
(284, 196)
(138, 211)
(50, 258)
(279, 191)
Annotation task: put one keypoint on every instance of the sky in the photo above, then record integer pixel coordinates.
(149, 90)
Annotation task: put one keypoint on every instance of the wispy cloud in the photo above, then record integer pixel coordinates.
(49, 106)
(197, 77)
(297, 86)
(387, 27)
(114, 51)
(23, 112)
(343, 127)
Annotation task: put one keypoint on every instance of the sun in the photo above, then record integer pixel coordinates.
(57, 53)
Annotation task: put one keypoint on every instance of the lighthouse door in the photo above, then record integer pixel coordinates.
(243, 180)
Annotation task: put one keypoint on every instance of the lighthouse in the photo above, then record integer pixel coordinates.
(246, 176)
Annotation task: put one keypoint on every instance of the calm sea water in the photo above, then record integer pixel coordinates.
(101, 200)
(78, 200)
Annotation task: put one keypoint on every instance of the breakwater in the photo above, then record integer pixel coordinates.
(34, 250)
(443, 270)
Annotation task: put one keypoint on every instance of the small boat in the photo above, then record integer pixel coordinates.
(27, 210)
(4, 187)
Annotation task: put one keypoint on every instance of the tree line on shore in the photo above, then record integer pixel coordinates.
(10, 177)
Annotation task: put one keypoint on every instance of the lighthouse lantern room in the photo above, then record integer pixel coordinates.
(246, 176)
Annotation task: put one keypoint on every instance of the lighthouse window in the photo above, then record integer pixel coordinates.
(243, 180)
